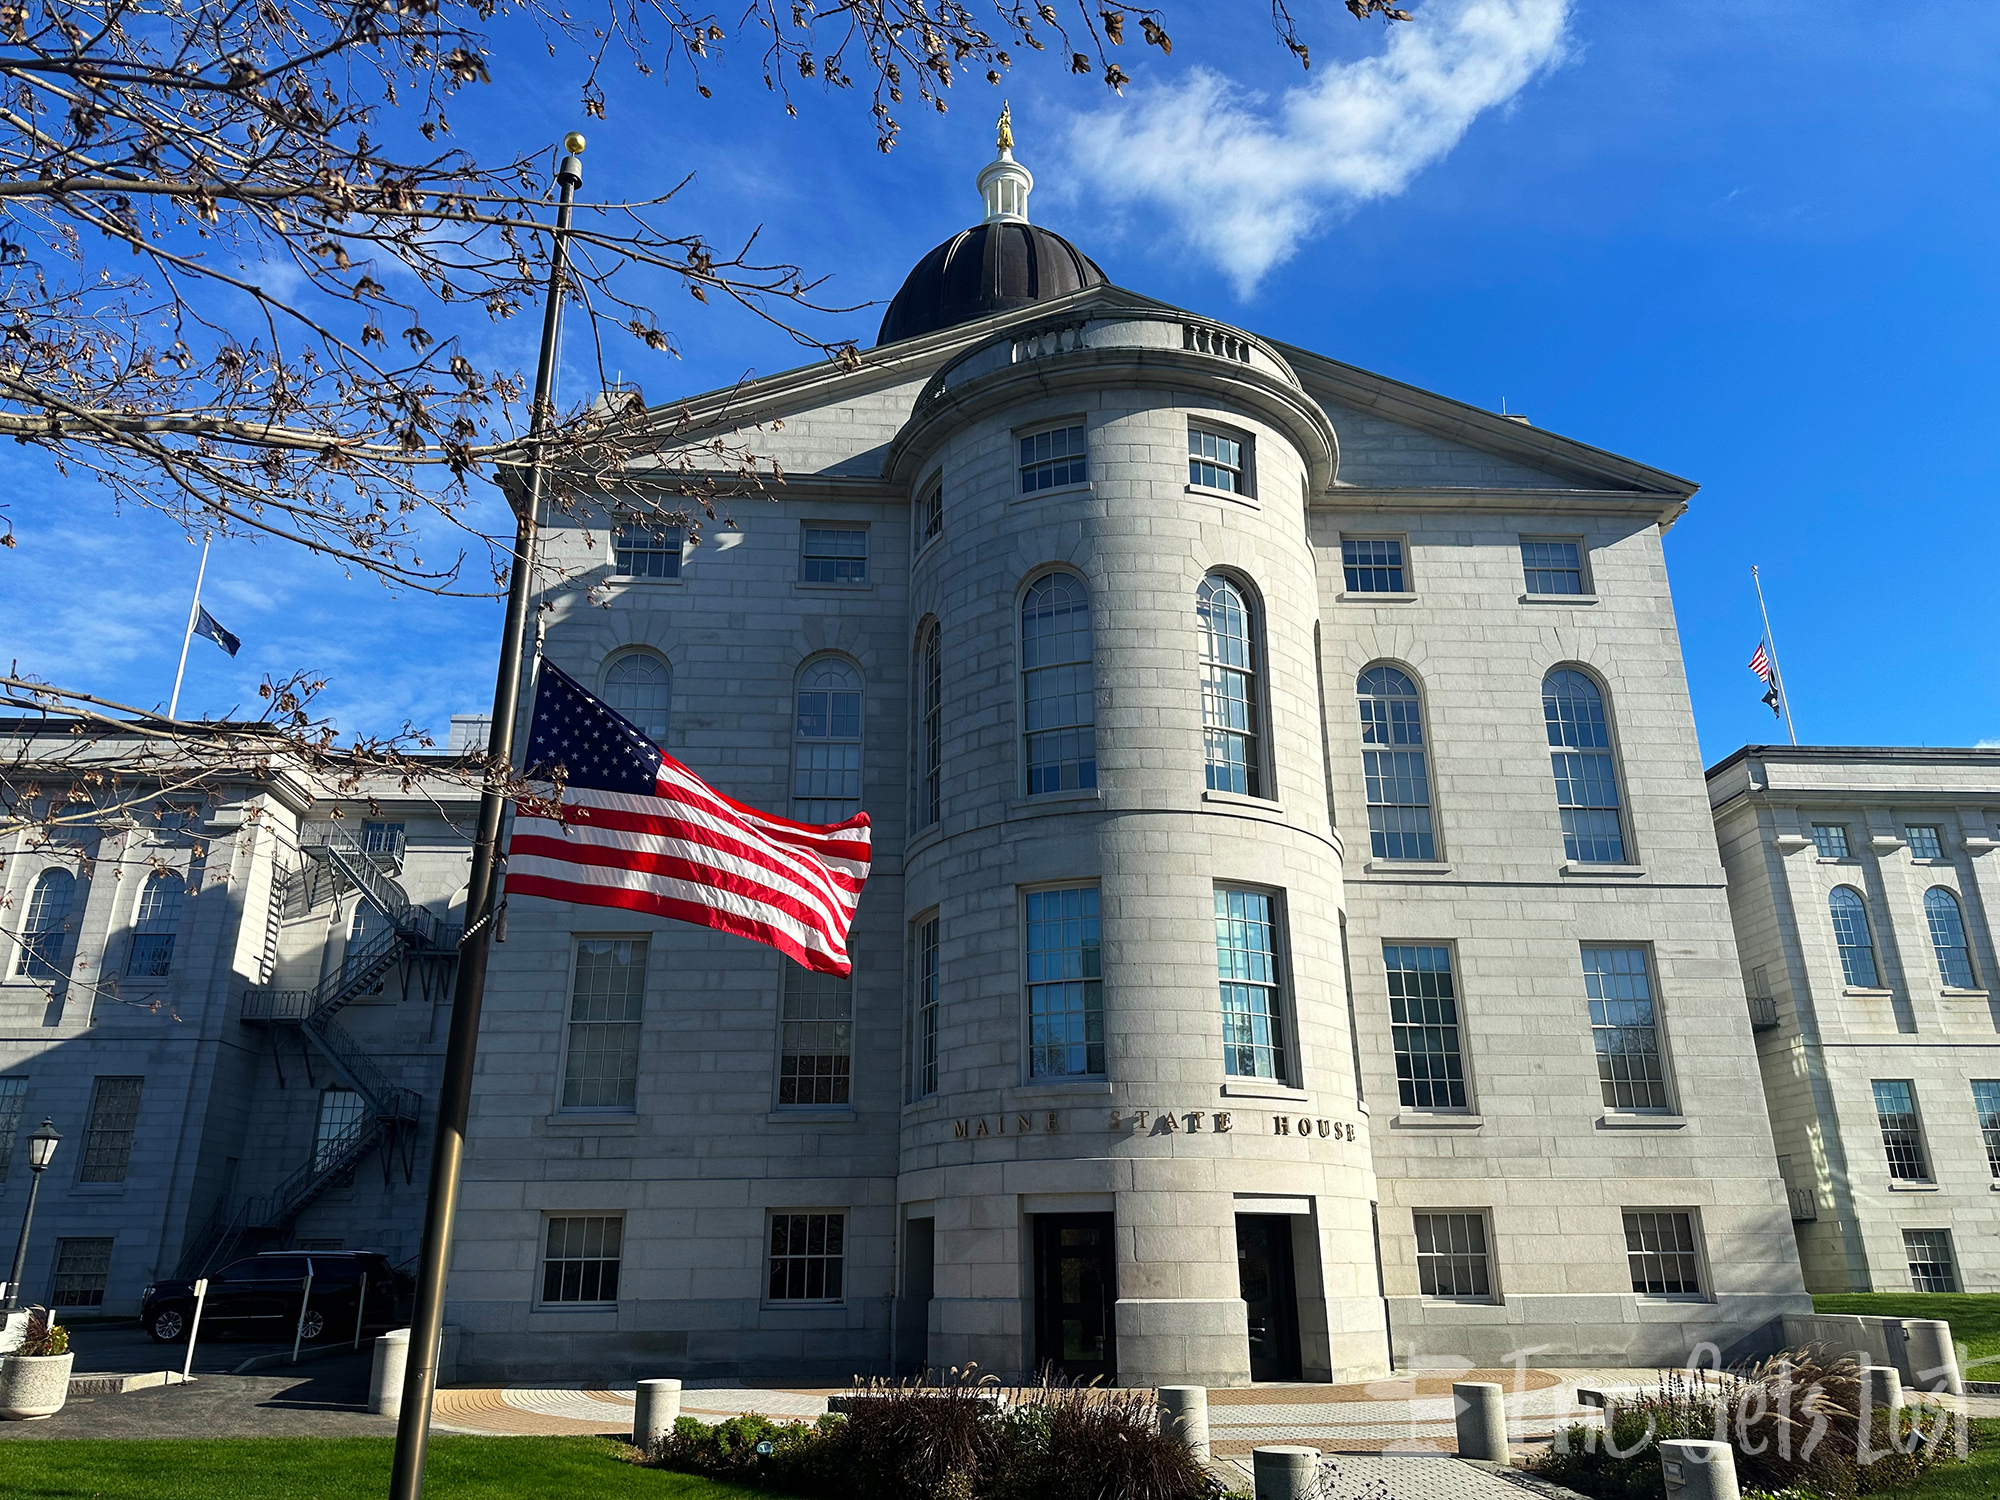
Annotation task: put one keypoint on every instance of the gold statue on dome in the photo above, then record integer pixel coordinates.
(1007, 126)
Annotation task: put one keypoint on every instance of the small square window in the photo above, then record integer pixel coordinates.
(1053, 458)
(1552, 567)
(1215, 461)
(582, 1259)
(808, 1257)
(1929, 1252)
(83, 1267)
(1660, 1248)
(1925, 841)
(1374, 565)
(646, 552)
(834, 555)
(1452, 1258)
(1830, 839)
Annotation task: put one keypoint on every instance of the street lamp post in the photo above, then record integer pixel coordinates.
(41, 1151)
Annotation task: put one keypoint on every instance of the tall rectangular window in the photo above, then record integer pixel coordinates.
(816, 1038)
(1065, 984)
(1586, 775)
(580, 1263)
(930, 516)
(1215, 461)
(1902, 1133)
(114, 1119)
(644, 551)
(1246, 963)
(1452, 1256)
(1551, 567)
(158, 922)
(1229, 714)
(1929, 1253)
(1394, 766)
(930, 727)
(1058, 686)
(833, 555)
(342, 1118)
(1423, 1018)
(83, 1270)
(14, 1099)
(1373, 565)
(1660, 1248)
(607, 999)
(1830, 840)
(808, 1257)
(1985, 1104)
(1052, 459)
(1925, 841)
(924, 1035)
(1624, 1028)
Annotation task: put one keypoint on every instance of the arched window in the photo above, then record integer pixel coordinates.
(826, 746)
(930, 726)
(159, 920)
(1228, 687)
(1948, 937)
(45, 934)
(1058, 700)
(1586, 779)
(1850, 935)
(1394, 763)
(640, 686)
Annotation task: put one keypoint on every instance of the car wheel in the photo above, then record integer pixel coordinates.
(167, 1326)
(313, 1324)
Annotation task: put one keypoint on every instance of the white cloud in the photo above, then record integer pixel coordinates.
(1987, 745)
(1246, 180)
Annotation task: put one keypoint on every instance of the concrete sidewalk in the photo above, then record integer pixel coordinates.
(326, 1398)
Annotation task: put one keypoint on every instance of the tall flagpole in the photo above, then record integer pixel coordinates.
(187, 636)
(413, 1423)
(1784, 698)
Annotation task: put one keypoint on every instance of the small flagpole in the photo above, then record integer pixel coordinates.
(187, 636)
(1784, 698)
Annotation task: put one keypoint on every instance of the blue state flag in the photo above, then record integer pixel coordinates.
(204, 624)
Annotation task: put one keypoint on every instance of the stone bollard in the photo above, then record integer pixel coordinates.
(1881, 1387)
(385, 1375)
(1697, 1469)
(1184, 1414)
(1481, 1408)
(1931, 1356)
(1284, 1473)
(656, 1406)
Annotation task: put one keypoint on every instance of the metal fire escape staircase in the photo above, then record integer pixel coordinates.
(337, 861)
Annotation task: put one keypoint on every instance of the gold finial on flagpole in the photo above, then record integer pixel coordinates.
(1007, 126)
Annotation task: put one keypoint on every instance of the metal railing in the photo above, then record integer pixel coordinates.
(1805, 1205)
(364, 964)
(365, 871)
(1763, 1013)
(384, 1097)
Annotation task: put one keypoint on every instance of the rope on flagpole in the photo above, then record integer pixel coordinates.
(1777, 673)
(187, 636)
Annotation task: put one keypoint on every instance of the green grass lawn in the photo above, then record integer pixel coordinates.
(1975, 1320)
(1978, 1478)
(460, 1468)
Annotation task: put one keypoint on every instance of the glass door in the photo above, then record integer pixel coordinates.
(1076, 1286)
(1264, 1269)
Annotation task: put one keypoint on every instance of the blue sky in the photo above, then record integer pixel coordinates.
(1751, 244)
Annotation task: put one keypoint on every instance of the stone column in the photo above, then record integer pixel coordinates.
(1481, 1409)
(1697, 1469)
(656, 1406)
(1286, 1473)
(1184, 1414)
(1931, 1357)
(385, 1376)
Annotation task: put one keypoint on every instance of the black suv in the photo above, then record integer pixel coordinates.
(260, 1297)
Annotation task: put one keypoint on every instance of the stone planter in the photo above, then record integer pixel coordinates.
(33, 1386)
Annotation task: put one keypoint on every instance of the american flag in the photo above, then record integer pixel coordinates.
(639, 830)
(1761, 664)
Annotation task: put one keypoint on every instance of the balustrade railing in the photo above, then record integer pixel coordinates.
(1763, 1013)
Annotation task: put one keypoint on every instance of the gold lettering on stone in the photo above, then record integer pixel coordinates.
(1052, 1123)
(1280, 1125)
(1305, 1126)
(960, 1129)
(1325, 1128)
(1023, 1124)
(1221, 1120)
(1194, 1119)
(982, 1130)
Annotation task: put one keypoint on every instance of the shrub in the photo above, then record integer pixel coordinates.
(44, 1335)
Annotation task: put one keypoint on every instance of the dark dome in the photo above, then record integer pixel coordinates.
(989, 268)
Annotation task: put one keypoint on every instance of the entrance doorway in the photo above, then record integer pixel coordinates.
(1270, 1294)
(1076, 1284)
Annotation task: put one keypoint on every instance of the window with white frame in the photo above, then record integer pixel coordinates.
(1551, 565)
(83, 1271)
(114, 1122)
(1851, 937)
(1660, 1250)
(826, 742)
(1624, 1029)
(1926, 841)
(581, 1257)
(1065, 983)
(1250, 984)
(45, 928)
(1052, 459)
(1423, 1021)
(1830, 840)
(607, 1003)
(646, 551)
(14, 1099)
(1394, 766)
(930, 725)
(1227, 622)
(930, 515)
(816, 1039)
(640, 687)
(1373, 565)
(833, 554)
(383, 840)
(924, 1033)
(808, 1257)
(1902, 1131)
(342, 1118)
(158, 921)
(1215, 461)
(1985, 1105)
(1586, 776)
(1058, 686)
(1929, 1254)
(1947, 925)
(1452, 1258)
